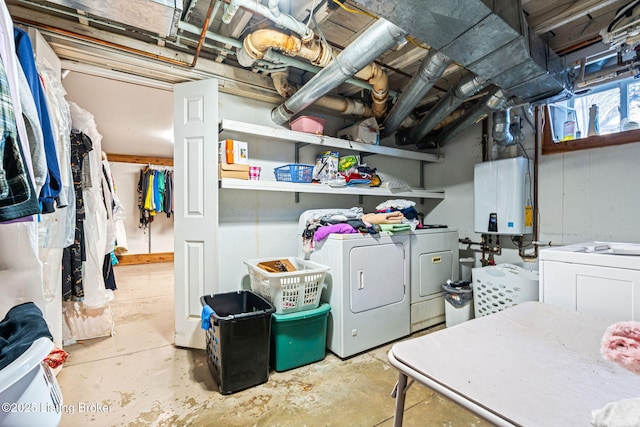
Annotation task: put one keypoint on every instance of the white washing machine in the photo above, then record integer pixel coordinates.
(599, 278)
(434, 260)
(367, 287)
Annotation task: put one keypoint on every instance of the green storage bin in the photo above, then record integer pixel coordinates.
(299, 338)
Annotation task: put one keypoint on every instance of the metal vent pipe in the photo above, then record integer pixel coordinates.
(496, 100)
(501, 128)
(377, 39)
(430, 71)
(468, 86)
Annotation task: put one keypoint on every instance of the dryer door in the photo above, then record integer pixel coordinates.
(376, 276)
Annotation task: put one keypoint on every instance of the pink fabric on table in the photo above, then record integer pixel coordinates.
(342, 228)
(621, 344)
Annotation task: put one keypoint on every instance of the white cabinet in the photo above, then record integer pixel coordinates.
(231, 129)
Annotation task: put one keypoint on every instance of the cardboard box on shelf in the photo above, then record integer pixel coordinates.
(234, 152)
(237, 171)
(363, 131)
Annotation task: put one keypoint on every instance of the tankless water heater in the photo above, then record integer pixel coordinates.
(503, 197)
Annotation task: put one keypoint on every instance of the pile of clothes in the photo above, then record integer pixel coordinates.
(390, 216)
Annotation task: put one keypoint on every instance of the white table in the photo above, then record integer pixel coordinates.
(530, 365)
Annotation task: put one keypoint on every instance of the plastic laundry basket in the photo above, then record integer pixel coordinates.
(29, 392)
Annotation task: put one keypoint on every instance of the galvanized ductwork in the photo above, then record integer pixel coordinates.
(430, 71)
(378, 38)
(494, 101)
(156, 16)
(491, 39)
(468, 86)
(501, 128)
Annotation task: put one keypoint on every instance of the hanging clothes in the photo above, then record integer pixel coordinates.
(155, 194)
(20, 268)
(74, 255)
(16, 188)
(52, 185)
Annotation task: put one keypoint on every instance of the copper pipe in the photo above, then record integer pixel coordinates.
(569, 49)
(203, 34)
(102, 42)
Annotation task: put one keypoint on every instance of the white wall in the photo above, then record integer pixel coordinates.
(591, 195)
(136, 120)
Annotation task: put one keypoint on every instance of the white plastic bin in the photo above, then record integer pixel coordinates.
(29, 393)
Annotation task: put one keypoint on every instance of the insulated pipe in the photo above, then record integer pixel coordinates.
(257, 43)
(381, 36)
(468, 86)
(281, 19)
(335, 103)
(496, 100)
(430, 71)
(501, 128)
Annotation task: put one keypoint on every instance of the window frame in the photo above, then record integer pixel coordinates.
(595, 141)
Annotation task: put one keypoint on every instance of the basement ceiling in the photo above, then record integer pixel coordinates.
(174, 41)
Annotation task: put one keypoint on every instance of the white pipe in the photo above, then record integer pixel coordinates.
(281, 19)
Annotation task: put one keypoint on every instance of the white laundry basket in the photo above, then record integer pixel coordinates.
(289, 292)
(29, 393)
(501, 286)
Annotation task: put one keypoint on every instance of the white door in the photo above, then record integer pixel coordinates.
(376, 276)
(195, 120)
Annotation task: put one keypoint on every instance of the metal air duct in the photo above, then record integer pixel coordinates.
(468, 86)
(501, 128)
(491, 39)
(156, 16)
(372, 43)
(496, 100)
(430, 71)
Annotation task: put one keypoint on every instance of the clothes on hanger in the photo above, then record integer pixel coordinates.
(155, 194)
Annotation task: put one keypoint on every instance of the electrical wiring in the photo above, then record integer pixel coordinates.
(410, 39)
(359, 12)
(413, 41)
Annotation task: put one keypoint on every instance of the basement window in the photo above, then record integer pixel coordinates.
(619, 118)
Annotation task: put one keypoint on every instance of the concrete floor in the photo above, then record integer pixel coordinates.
(139, 378)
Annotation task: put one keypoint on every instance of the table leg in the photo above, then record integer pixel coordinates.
(401, 391)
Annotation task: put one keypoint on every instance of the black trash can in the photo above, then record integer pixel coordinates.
(238, 339)
(458, 306)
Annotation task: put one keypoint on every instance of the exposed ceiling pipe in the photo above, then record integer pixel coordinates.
(468, 86)
(430, 71)
(257, 43)
(377, 77)
(272, 56)
(372, 43)
(281, 19)
(495, 100)
(336, 103)
(205, 27)
(501, 127)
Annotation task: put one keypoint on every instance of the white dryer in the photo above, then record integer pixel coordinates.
(367, 287)
(434, 260)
